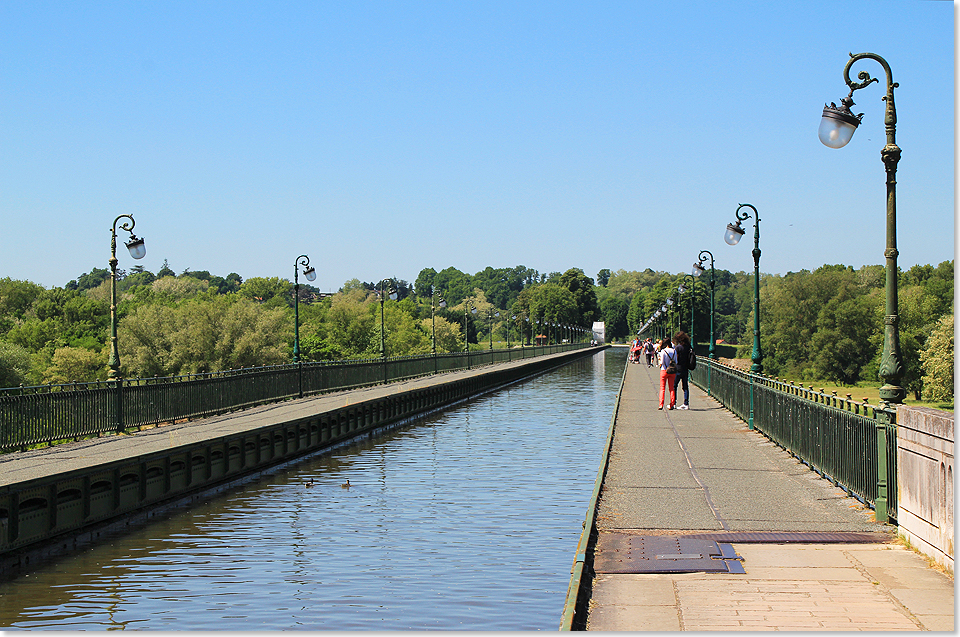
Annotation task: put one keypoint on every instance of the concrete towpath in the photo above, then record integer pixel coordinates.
(814, 559)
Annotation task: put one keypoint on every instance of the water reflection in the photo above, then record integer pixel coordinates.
(467, 520)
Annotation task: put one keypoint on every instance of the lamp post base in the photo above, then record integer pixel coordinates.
(892, 394)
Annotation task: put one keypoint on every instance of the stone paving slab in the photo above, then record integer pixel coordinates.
(737, 480)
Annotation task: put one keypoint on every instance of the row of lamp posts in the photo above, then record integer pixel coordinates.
(837, 127)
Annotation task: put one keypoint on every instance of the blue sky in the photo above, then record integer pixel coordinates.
(383, 138)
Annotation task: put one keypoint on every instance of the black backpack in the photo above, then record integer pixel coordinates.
(692, 359)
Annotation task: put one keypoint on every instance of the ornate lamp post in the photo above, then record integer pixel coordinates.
(473, 310)
(698, 270)
(683, 289)
(433, 317)
(732, 236)
(311, 275)
(490, 317)
(137, 250)
(383, 342)
(836, 129)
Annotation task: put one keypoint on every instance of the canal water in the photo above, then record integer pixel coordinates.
(467, 520)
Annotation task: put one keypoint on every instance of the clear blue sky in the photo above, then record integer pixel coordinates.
(383, 138)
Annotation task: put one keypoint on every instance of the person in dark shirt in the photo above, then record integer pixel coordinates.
(681, 342)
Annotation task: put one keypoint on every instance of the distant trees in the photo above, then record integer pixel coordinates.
(820, 325)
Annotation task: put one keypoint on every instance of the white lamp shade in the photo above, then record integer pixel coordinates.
(834, 132)
(733, 234)
(136, 247)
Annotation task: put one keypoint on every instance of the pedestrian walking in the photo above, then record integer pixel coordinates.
(682, 345)
(648, 351)
(668, 372)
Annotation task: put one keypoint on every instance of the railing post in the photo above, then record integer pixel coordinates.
(885, 416)
(118, 404)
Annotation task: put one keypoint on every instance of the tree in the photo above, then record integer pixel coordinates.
(346, 332)
(75, 364)
(584, 297)
(273, 291)
(14, 364)
(423, 286)
(448, 334)
(603, 277)
(937, 361)
(614, 310)
(165, 270)
(203, 334)
(90, 280)
(16, 297)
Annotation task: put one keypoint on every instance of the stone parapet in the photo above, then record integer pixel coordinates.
(925, 439)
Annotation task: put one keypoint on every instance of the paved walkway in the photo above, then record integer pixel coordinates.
(701, 472)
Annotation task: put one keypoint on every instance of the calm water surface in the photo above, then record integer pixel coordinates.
(467, 520)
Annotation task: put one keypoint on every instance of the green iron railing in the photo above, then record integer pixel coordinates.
(852, 444)
(51, 413)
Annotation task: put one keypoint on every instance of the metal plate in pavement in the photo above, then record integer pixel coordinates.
(622, 553)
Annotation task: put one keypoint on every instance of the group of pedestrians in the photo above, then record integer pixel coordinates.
(673, 356)
(674, 369)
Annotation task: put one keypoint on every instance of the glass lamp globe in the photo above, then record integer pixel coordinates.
(136, 247)
(697, 269)
(733, 234)
(838, 124)
(310, 273)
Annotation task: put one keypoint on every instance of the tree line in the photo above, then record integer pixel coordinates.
(819, 325)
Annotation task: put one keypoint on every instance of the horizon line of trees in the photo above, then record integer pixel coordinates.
(819, 325)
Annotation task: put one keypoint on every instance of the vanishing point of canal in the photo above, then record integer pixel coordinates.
(466, 520)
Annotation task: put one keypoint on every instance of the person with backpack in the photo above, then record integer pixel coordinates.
(668, 372)
(684, 350)
(648, 351)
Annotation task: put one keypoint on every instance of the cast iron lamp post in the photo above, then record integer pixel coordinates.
(698, 271)
(732, 236)
(137, 250)
(473, 310)
(433, 316)
(693, 289)
(490, 318)
(393, 297)
(836, 129)
(311, 275)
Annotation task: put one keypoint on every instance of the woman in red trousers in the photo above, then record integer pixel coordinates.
(668, 372)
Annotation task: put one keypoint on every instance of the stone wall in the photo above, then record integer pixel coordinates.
(925, 481)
